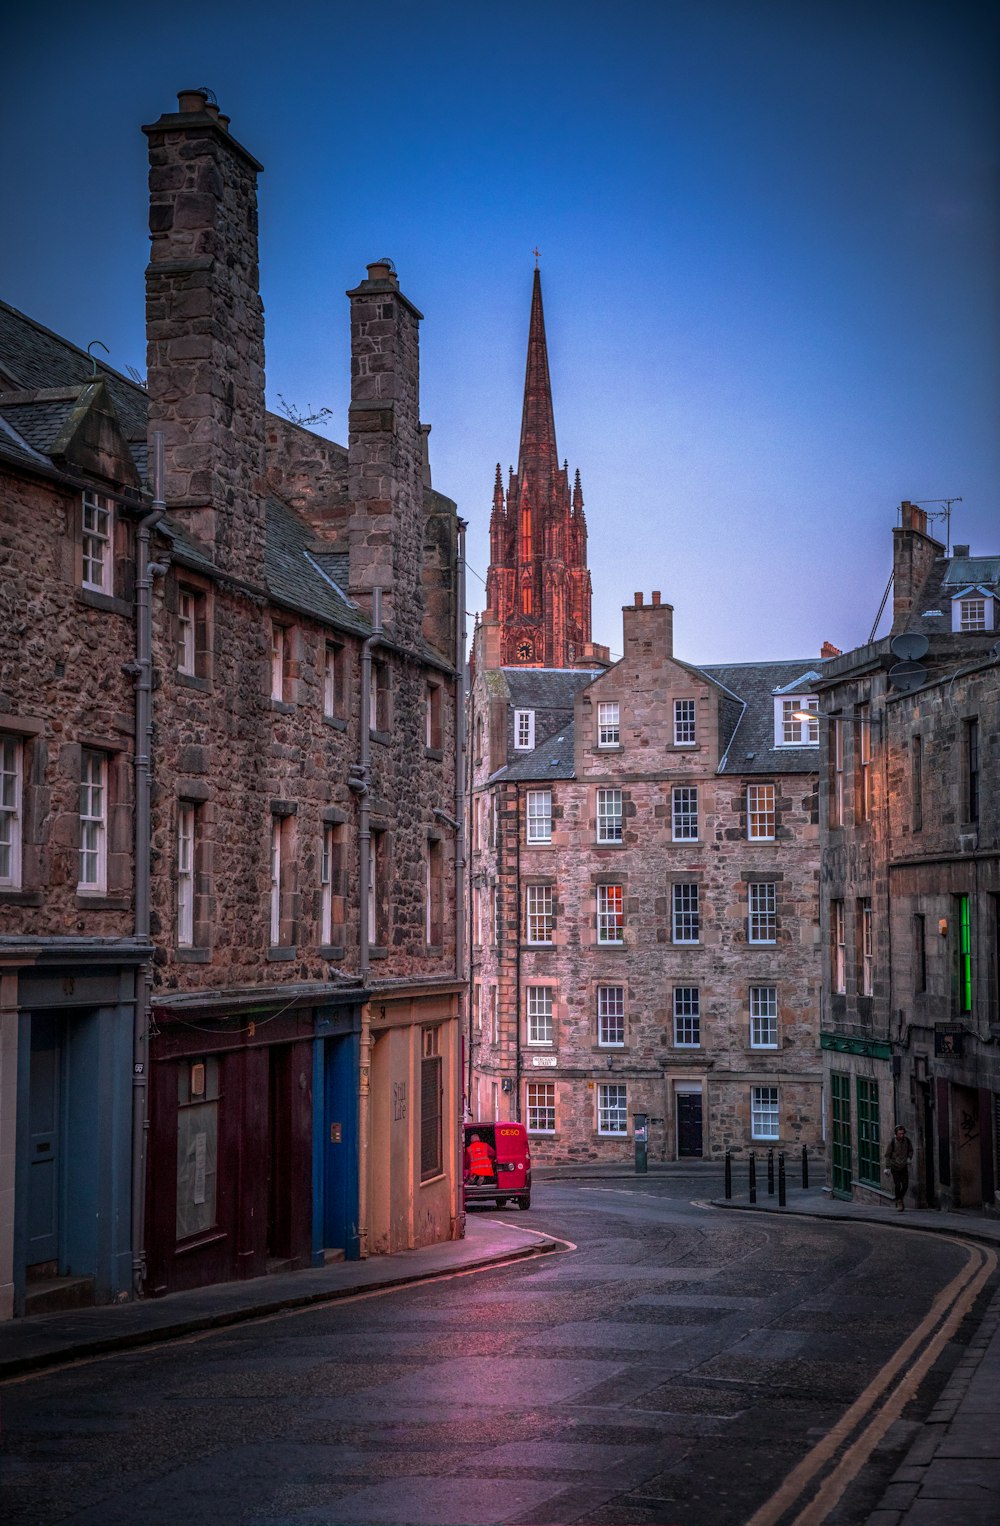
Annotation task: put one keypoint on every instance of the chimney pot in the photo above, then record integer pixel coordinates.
(959, 550)
(192, 100)
(381, 270)
(637, 600)
(656, 597)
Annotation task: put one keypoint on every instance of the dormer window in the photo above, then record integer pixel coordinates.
(973, 610)
(524, 730)
(796, 721)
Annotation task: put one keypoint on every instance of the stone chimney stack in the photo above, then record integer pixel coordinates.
(648, 628)
(913, 554)
(385, 452)
(205, 330)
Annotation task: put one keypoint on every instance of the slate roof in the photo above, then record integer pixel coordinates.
(294, 578)
(751, 748)
(547, 688)
(931, 612)
(550, 760)
(39, 424)
(35, 358)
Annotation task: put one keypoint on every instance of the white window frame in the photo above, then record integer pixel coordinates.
(684, 813)
(540, 1106)
(279, 644)
(837, 747)
(762, 911)
(789, 730)
(838, 935)
(765, 1118)
(608, 723)
(867, 949)
(612, 1109)
(687, 1017)
(763, 1017)
(11, 810)
(685, 723)
(611, 915)
(611, 1017)
(93, 823)
(538, 1012)
(539, 915)
(97, 543)
(610, 815)
(761, 812)
(185, 873)
(973, 610)
(326, 885)
(274, 910)
(685, 911)
(538, 816)
(187, 632)
(524, 730)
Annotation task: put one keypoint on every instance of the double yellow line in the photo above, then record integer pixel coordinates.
(847, 1446)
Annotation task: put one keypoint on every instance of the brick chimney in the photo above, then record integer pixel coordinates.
(648, 628)
(205, 330)
(913, 555)
(386, 451)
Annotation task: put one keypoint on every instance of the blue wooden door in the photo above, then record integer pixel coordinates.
(44, 1165)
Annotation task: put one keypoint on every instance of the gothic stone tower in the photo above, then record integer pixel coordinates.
(538, 586)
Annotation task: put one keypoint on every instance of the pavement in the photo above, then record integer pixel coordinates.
(952, 1469)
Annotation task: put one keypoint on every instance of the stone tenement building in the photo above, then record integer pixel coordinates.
(911, 882)
(230, 697)
(644, 884)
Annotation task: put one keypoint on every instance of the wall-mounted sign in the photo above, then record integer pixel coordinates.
(948, 1038)
(544, 1059)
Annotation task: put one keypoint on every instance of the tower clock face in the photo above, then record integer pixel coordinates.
(524, 650)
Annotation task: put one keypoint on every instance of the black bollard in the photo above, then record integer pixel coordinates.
(753, 1177)
(805, 1165)
(770, 1173)
(781, 1179)
(729, 1174)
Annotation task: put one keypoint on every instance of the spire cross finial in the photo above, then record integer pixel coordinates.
(536, 252)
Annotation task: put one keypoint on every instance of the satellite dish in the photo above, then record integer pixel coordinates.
(907, 676)
(909, 647)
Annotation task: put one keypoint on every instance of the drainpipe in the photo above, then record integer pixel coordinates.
(460, 751)
(360, 782)
(143, 737)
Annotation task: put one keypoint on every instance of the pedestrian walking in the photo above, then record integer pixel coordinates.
(897, 1164)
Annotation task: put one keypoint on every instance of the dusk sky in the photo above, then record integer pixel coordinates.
(769, 234)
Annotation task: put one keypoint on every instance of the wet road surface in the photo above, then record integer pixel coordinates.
(673, 1367)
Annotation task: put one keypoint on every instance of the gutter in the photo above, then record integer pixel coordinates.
(143, 737)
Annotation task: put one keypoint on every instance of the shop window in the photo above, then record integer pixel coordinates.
(197, 1146)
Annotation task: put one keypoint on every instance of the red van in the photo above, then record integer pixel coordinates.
(511, 1178)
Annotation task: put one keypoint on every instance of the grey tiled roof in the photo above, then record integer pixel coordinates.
(17, 449)
(39, 424)
(751, 748)
(948, 576)
(552, 759)
(36, 358)
(294, 579)
(336, 565)
(547, 688)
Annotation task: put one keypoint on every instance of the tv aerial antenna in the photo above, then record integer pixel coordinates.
(942, 513)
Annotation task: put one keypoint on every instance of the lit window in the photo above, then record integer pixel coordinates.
(539, 913)
(760, 812)
(684, 813)
(539, 815)
(686, 913)
(93, 822)
(610, 914)
(539, 1015)
(764, 1112)
(795, 725)
(524, 730)
(541, 1107)
(609, 815)
(684, 723)
(612, 1109)
(687, 1017)
(98, 549)
(762, 913)
(10, 812)
(611, 1016)
(608, 724)
(763, 1017)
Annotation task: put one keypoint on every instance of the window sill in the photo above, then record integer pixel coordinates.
(376, 952)
(608, 747)
(432, 1181)
(334, 722)
(212, 1237)
(281, 706)
(434, 950)
(100, 901)
(435, 753)
(379, 736)
(331, 951)
(615, 846)
(277, 955)
(193, 955)
(193, 681)
(11, 895)
(106, 601)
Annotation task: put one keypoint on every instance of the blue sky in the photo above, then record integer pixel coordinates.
(770, 234)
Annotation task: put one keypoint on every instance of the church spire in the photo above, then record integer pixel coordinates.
(538, 457)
